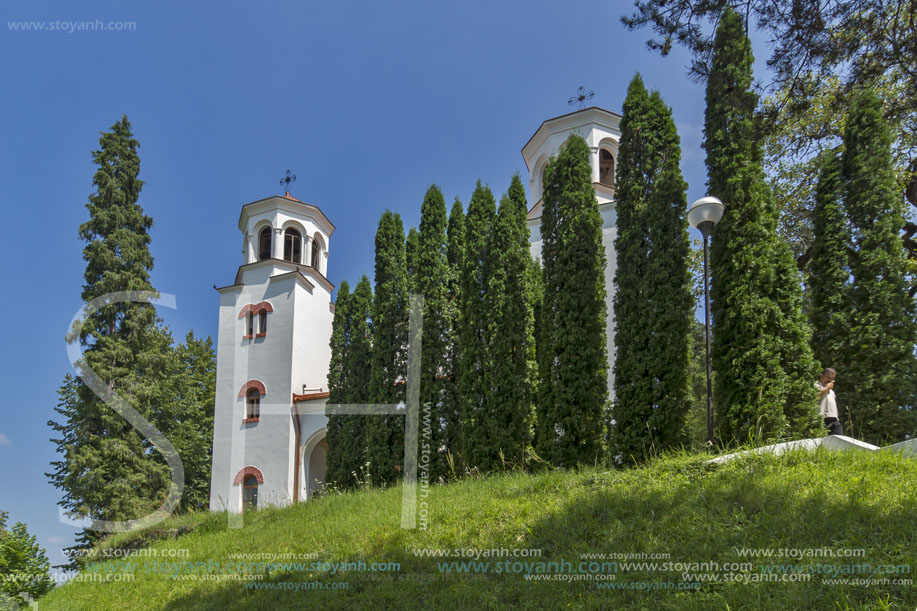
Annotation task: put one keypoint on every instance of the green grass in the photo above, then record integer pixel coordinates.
(676, 505)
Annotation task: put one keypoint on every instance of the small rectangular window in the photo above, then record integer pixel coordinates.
(262, 323)
(250, 319)
(254, 407)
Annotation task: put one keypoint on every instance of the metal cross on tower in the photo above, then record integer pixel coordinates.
(581, 96)
(288, 179)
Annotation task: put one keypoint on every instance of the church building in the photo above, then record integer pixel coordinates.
(275, 326)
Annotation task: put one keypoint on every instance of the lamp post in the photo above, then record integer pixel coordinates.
(703, 215)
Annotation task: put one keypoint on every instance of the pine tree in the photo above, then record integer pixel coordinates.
(336, 469)
(472, 338)
(573, 366)
(761, 353)
(385, 434)
(432, 281)
(652, 298)
(109, 471)
(510, 375)
(881, 369)
(23, 565)
(829, 268)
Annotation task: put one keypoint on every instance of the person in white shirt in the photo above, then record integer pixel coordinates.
(827, 402)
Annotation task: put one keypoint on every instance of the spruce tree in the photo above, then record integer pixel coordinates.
(336, 470)
(432, 281)
(574, 361)
(472, 337)
(829, 268)
(109, 471)
(510, 376)
(761, 353)
(652, 299)
(881, 370)
(385, 434)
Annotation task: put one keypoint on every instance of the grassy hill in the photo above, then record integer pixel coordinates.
(799, 508)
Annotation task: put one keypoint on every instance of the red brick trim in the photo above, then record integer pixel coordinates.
(252, 384)
(247, 420)
(260, 334)
(256, 308)
(248, 336)
(249, 470)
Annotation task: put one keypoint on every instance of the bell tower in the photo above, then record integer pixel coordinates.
(602, 131)
(272, 359)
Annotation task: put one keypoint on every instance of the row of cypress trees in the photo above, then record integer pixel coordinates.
(862, 314)
(493, 391)
(478, 357)
(490, 390)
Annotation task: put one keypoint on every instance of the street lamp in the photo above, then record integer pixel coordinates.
(703, 215)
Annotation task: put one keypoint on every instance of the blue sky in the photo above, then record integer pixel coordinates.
(367, 102)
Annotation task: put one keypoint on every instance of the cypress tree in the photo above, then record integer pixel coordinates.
(411, 252)
(109, 471)
(348, 382)
(385, 434)
(761, 353)
(186, 417)
(451, 408)
(829, 268)
(881, 368)
(472, 338)
(652, 299)
(336, 470)
(432, 281)
(574, 359)
(509, 378)
(358, 365)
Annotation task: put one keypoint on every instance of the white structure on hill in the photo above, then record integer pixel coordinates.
(272, 359)
(275, 325)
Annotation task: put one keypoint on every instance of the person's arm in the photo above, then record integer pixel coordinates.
(825, 389)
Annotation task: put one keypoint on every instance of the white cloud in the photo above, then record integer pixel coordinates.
(4, 440)
(692, 135)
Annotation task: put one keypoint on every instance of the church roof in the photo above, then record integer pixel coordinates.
(586, 115)
(289, 200)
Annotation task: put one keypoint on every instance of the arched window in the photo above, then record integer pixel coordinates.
(252, 404)
(292, 246)
(262, 322)
(316, 250)
(250, 321)
(264, 244)
(606, 168)
(250, 492)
